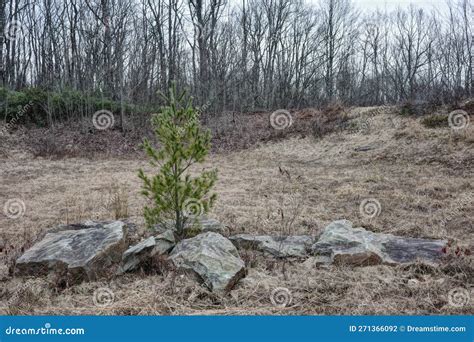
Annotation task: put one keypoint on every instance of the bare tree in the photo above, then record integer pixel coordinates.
(237, 56)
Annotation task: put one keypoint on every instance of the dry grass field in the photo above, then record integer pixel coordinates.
(422, 177)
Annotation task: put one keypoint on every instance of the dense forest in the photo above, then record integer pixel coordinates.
(76, 56)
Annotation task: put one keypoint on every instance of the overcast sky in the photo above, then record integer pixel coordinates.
(372, 4)
(393, 4)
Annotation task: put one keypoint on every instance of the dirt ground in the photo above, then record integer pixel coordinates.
(423, 179)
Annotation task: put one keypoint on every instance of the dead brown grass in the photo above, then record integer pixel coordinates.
(421, 177)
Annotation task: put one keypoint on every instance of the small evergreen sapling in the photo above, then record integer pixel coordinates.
(182, 142)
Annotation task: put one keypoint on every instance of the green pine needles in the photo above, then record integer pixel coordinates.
(174, 193)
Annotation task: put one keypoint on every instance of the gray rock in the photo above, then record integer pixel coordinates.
(144, 250)
(79, 251)
(357, 246)
(201, 224)
(317, 261)
(163, 243)
(289, 246)
(213, 258)
(136, 254)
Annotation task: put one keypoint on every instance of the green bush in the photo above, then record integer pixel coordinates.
(35, 105)
(408, 109)
(435, 121)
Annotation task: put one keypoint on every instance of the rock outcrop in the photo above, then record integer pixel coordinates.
(344, 244)
(213, 258)
(296, 246)
(78, 251)
(145, 250)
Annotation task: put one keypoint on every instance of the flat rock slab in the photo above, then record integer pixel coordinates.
(344, 244)
(200, 224)
(213, 258)
(145, 250)
(79, 251)
(297, 246)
